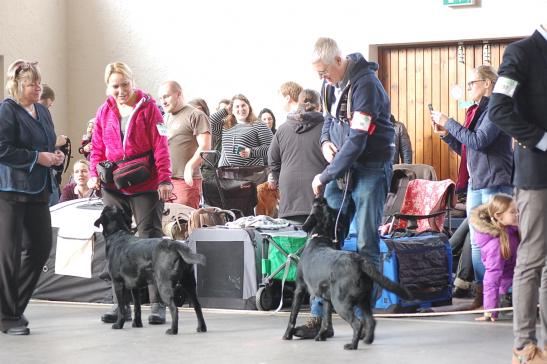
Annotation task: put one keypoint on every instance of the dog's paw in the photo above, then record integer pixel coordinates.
(201, 328)
(321, 337)
(350, 346)
(171, 332)
(117, 326)
(288, 334)
(137, 323)
(368, 339)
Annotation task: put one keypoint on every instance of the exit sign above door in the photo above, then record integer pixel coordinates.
(458, 2)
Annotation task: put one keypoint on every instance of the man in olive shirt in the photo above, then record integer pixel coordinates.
(188, 131)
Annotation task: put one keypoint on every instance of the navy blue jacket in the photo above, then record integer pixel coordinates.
(354, 145)
(21, 138)
(488, 149)
(524, 115)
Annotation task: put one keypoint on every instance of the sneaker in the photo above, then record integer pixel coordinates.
(310, 329)
(530, 354)
(111, 316)
(157, 314)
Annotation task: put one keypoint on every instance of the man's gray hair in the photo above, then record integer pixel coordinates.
(326, 50)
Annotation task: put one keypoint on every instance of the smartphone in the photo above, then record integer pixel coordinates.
(238, 148)
(435, 126)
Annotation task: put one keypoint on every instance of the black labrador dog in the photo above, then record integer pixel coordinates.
(134, 263)
(343, 279)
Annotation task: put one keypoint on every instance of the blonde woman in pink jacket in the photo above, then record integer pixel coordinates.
(130, 133)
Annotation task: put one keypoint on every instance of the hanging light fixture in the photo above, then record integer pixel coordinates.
(461, 53)
(486, 53)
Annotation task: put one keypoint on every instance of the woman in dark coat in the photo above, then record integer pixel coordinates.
(27, 153)
(295, 156)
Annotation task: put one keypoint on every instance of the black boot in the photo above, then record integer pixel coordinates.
(310, 329)
(111, 315)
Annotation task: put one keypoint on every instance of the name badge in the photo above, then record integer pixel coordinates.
(162, 129)
(505, 86)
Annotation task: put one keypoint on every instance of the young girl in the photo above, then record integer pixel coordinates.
(497, 236)
(78, 188)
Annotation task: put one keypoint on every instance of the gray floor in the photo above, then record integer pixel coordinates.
(72, 333)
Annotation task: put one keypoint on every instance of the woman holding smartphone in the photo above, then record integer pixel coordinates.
(486, 153)
(245, 140)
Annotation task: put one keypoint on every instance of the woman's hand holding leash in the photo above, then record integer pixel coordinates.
(164, 191)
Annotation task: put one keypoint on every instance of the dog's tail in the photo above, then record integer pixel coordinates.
(370, 270)
(187, 255)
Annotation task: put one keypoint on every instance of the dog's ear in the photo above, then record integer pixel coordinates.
(310, 223)
(99, 221)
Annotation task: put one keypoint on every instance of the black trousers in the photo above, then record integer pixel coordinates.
(25, 244)
(147, 210)
(460, 242)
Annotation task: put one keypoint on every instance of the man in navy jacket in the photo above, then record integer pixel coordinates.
(518, 106)
(358, 142)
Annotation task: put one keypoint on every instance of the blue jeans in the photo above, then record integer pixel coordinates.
(474, 199)
(365, 202)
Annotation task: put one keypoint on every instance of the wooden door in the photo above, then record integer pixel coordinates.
(415, 76)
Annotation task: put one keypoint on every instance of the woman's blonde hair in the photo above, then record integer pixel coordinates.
(19, 73)
(230, 120)
(498, 205)
(487, 73)
(118, 67)
(82, 161)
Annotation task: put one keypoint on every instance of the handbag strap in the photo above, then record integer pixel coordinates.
(136, 156)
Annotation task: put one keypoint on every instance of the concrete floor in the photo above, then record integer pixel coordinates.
(72, 333)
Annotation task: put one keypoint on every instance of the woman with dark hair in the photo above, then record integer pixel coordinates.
(245, 141)
(295, 157)
(267, 117)
(201, 105)
(27, 154)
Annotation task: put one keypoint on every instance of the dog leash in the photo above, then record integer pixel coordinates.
(336, 241)
(296, 258)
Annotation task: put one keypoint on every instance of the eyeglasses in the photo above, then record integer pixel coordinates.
(324, 72)
(471, 83)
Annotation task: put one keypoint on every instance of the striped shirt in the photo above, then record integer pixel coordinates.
(256, 136)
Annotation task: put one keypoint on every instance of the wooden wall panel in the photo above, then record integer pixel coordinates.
(411, 95)
(415, 76)
(421, 133)
(453, 158)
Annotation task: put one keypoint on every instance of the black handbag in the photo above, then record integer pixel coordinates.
(104, 170)
(132, 171)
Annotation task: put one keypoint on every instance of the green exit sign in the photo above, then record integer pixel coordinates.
(458, 2)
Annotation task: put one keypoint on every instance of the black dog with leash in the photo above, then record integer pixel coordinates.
(133, 263)
(343, 279)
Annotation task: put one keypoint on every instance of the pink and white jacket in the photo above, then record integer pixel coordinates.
(143, 134)
(498, 275)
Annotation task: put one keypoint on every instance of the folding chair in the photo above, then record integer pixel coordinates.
(425, 206)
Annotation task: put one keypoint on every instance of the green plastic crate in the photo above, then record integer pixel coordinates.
(291, 243)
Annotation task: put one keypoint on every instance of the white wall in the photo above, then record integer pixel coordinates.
(216, 49)
(36, 30)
